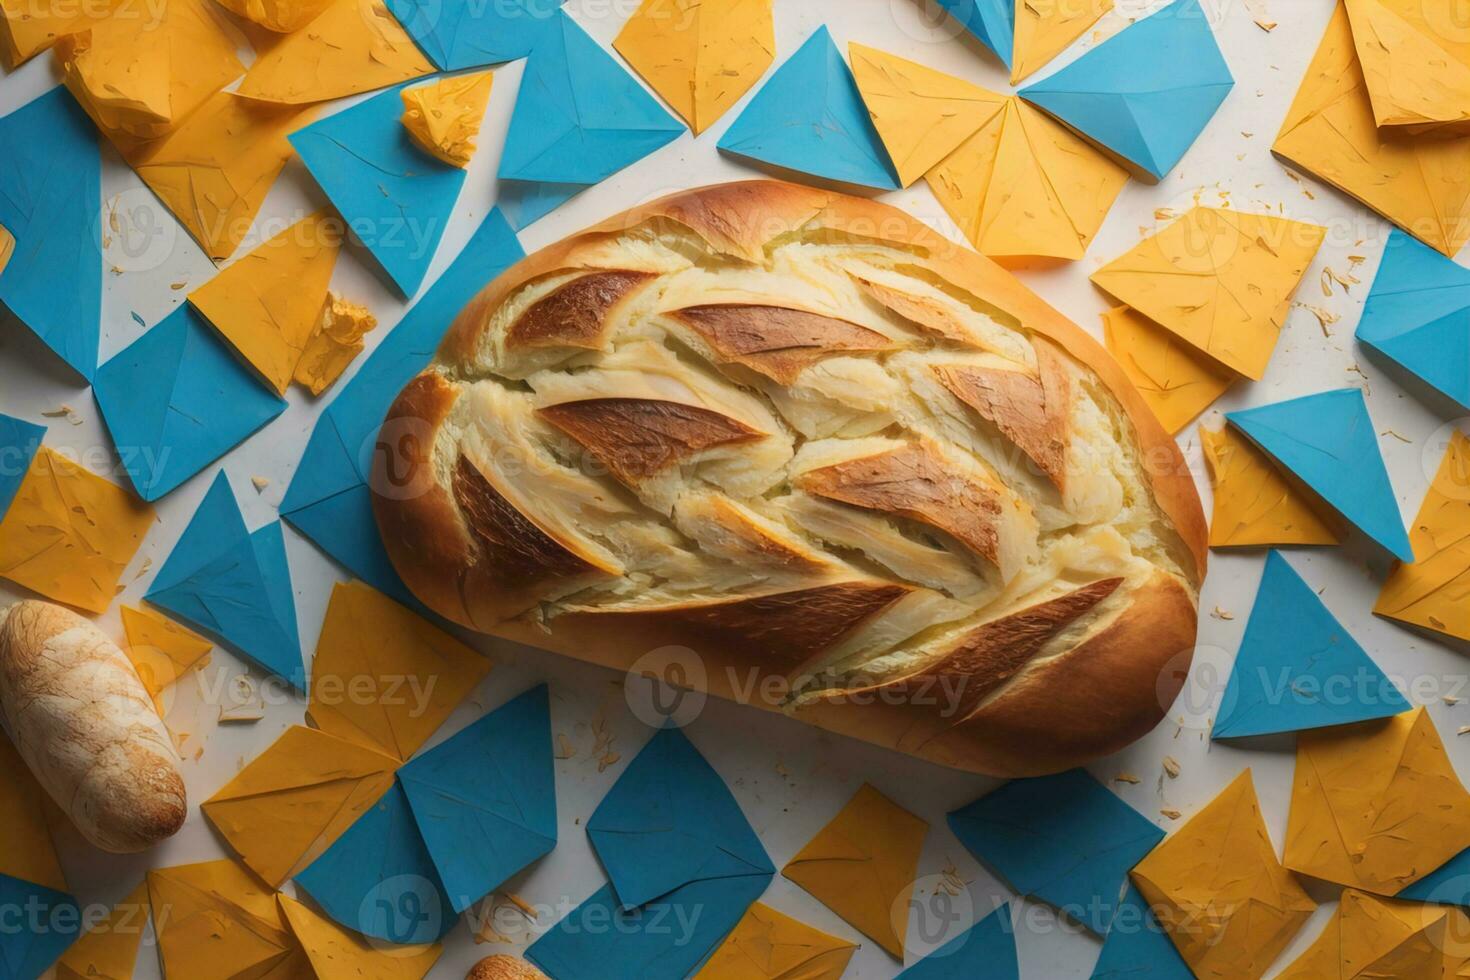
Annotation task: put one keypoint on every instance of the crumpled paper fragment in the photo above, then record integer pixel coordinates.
(444, 117)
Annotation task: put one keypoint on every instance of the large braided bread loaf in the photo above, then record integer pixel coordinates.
(832, 453)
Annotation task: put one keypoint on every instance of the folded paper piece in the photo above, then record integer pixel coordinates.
(921, 114)
(523, 202)
(396, 198)
(337, 952)
(44, 918)
(280, 16)
(444, 117)
(676, 848)
(352, 46)
(1371, 937)
(992, 21)
(1327, 441)
(295, 799)
(987, 949)
(863, 864)
(1072, 850)
(809, 117)
(69, 534)
(28, 27)
(1136, 946)
(234, 586)
(1449, 884)
(108, 950)
(1297, 668)
(1026, 186)
(1430, 592)
(334, 344)
(460, 34)
(1256, 504)
(579, 116)
(51, 201)
(1416, 314)
(416, 671)
(1044, 30)
(1376, 805)
(767, 945)
(1177, 381)
(1146, 93)
(19, 442)
(216, 922)
(161, 650)
(1416, 62)
(26, 850)
(1219, 891)
(1421, 185)
(485, 800)
(700, 55)
(328, 500)
(176, 401)
(44, 923)
(1222, 280)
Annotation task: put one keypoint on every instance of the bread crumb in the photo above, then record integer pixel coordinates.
(1127, 777)
(1171, 813)
(609, 759)
(1219, 613)
(260, 483)
(1451, 700)
(64, 412)
(1171, 766)
(564, 747)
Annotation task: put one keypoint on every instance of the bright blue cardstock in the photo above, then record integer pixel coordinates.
(1449, 884)
(579, 116)
(234, 586)
(1146, 93)
(992, 21)
(1418, 314)
(1328, 441)
(459, 34)
(485, 800)
(987, 949)
(1137, 947)
(809, 117)
(1064, 839)
(1298, 668)
(328, 500)
(378, 878)
(51, 202)
(395, 198)
(19, 442)
(177, 400)
(525, 202)
(26, 952)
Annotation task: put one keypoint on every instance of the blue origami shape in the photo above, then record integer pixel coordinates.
(51, 202)
(19, 442)
(1418, 314)
(395, 198)
(1064, 839)
(378, 877)
(1449, 884)
(328, 500)
(810, 118)
(177, 400)
(26, 952)
(1298, 668)
(992, 21)
(683, 863)
(1328, 442)
(1148, 92)
(459, 34)
(485, 800)
(987, 949)
(1137, 947)
(579, 116)
(524, 202)
(234, 586)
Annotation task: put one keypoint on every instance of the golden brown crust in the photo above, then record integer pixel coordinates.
(577, 313)
(502, 967)
(776, 341)
(926, 314)
(636, 438)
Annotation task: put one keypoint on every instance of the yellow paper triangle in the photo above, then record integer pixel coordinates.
(216, 922)
(1256, 504)
(1177, 382)
(921, 114)
(28, 27)
(26, 851)
(444, 117)
(279, 16)
(1044, 28)
(108, 950)
(334, 343)
(1371, 938)
(268, 303)
(336, 952)
(700, 55)
(767, 945)
(352, 46)
(161, 650)
(1416, 61)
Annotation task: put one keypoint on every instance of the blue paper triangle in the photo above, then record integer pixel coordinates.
(992, 21)
(525, 202)
(51, 202)
(395, 198)
(809, 117)
(1328, 441)
(987, 949)
(485, 800)
(1298, 668)
(1148, 92)
(42, 923)
(1137, 947)
(459, 34)
(177, 400)
(1064, 839)
(1418, 314)
(234, 586)
(19, 442)
(580, 117)
(1449, 884)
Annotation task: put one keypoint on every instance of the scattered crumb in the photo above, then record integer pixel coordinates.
(1219, 613)
(1267, 25)
(247, 715)
(564, 747)
(143, 568)
(176, 286)
(1325, 318)
(607, 760)
(1127, 777)
(1396, 435)
(526, 908)
(260, 483)
(1464, 730)
(950, 882)
(1451, 700)
(1171, 766)
(1171, 813)
(64, 412)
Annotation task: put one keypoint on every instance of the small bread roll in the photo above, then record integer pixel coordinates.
(80, 717)
(502, 967)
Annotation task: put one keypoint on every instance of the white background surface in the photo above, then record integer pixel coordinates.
(791, 779)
